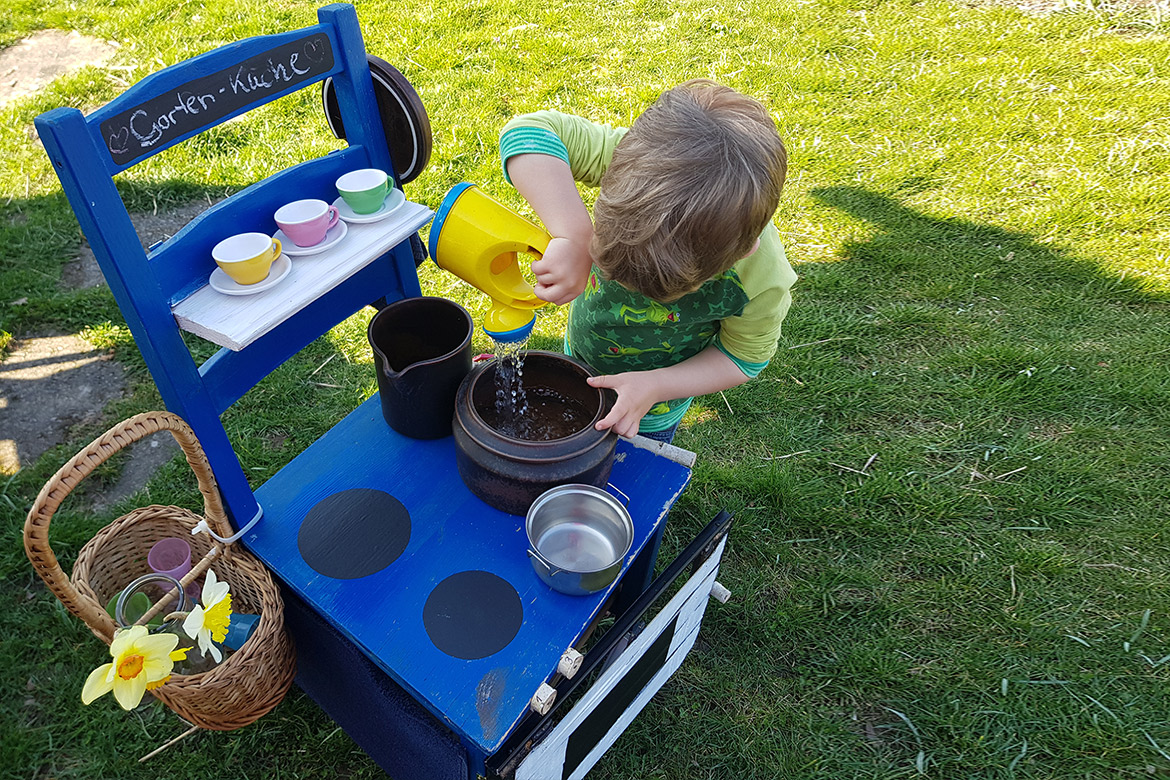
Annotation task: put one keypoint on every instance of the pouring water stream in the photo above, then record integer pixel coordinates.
(511, 400)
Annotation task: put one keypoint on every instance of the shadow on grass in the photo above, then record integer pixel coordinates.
(931, 323)
(983, 322)
(913, 251)
(958, 415)
(936, 357)
(40, 236)
(53, 386)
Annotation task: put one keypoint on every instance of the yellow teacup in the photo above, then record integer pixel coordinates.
(247, 257)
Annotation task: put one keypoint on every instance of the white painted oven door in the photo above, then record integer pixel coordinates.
(620, 692)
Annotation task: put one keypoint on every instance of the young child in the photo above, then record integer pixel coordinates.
(679, 282)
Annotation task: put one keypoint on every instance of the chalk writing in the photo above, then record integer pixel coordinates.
(177, 113)
(148, 131)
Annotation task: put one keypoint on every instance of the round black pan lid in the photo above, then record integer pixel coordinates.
(404, 118)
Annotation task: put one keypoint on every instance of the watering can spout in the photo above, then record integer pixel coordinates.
(507, 324)
(482, 241)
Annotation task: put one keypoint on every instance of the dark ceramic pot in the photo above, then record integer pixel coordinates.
(422, 350)
(509, 472)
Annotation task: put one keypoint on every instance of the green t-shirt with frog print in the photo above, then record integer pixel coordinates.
(614, 329)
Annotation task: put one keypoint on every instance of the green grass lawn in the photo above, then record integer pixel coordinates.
(951, 554)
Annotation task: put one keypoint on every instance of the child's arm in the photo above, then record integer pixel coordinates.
(546, 182)
(707, 372)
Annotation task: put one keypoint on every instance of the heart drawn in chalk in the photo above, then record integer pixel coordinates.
(315, 49)
(120, 141)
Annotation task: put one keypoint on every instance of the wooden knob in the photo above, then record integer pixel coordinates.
(542, 700)
(570, 663)
(720, 593)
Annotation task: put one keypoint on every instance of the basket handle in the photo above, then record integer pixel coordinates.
(81, 465)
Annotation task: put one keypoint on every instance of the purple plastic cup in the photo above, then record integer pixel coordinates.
(306, 221)
(172, 557)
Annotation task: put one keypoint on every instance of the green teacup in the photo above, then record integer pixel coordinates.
(365, 190)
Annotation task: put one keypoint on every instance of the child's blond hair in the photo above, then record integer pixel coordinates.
(690, 188)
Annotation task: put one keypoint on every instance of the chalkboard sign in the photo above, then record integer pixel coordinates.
(156, 122)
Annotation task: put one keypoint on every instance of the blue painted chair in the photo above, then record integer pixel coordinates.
(88, 151)
(367, 653)
(164, 110)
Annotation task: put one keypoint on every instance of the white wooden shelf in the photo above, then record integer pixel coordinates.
(236, 321)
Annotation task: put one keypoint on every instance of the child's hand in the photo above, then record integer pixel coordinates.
(563, 271)
(707, 372)
(547, 183)
(637, 391)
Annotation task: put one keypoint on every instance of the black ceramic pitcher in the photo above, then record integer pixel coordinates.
(422, 350)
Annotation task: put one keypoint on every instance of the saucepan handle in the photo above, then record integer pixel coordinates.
(542, 563)
(615, 489)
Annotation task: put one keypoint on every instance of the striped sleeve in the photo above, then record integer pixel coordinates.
(585, 145)
(530, 140)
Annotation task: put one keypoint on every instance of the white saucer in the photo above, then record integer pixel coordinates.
(389, 206)
(221, 282)
(335, 234)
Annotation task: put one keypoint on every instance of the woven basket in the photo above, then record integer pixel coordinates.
(249, 682)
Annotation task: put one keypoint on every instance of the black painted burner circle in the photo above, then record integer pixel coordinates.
(354, 533)
(473, 614)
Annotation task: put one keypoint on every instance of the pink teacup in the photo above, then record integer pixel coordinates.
(306, 221)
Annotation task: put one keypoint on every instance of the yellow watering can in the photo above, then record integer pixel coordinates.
(481, 241)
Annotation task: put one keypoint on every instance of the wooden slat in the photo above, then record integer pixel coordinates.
(235, 322)
(183, 100)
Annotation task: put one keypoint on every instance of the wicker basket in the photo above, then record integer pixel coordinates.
(249, 682)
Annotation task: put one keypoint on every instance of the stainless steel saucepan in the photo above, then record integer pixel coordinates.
(578, 537)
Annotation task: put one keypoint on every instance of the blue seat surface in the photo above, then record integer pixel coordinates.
(451, 533)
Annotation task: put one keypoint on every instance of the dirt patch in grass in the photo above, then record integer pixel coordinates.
(151, 228)
(35, 61)
(52, 383)
(49, 384)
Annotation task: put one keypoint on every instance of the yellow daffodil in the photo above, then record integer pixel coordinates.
(142, 661)
(211, 619)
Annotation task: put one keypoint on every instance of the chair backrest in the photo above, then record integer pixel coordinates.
(167, 108)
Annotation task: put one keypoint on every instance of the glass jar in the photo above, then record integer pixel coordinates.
(196, 662)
